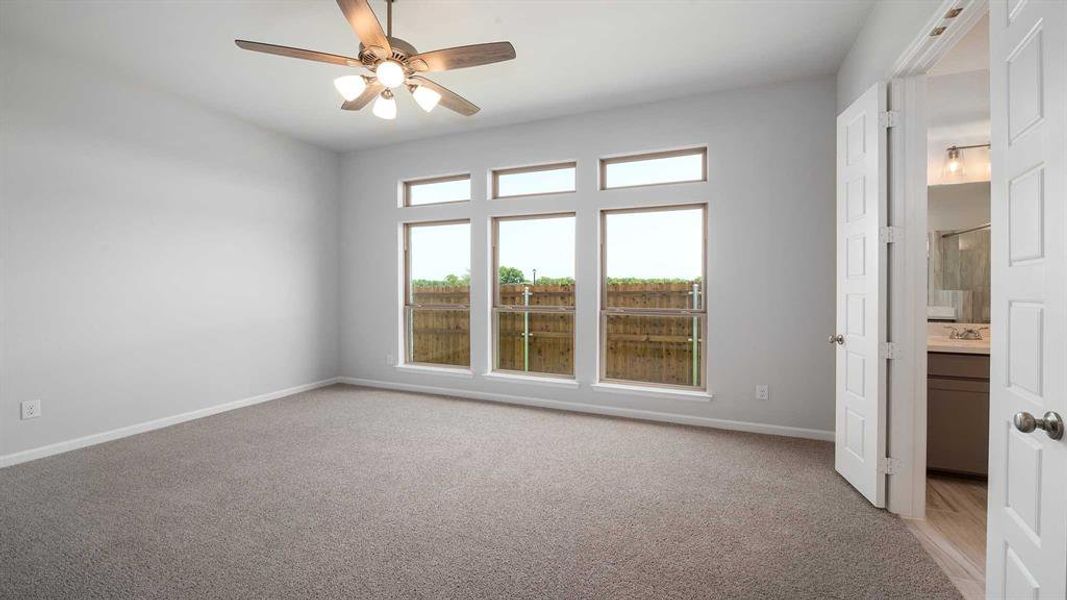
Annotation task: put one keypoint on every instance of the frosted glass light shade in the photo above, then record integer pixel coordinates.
(426, 98)
(390, 74)
(350, 86)
(953, 168)
(385, 107)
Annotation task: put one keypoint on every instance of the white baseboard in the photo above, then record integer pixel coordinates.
(106, 436)
(633, 413)
(648, 415)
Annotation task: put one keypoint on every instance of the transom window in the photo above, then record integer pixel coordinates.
(533, 308)
(437, 293)
(653, 314)
(529, 181)
(437, 190)
(675, 166)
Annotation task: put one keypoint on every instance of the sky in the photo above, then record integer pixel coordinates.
(640, 244)
(539, 182)
(439, 191)
(688, 167)
(655, 244)
(543, 244)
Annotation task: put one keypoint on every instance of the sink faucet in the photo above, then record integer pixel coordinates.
(967, 333)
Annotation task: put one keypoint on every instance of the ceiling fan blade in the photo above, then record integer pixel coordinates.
(364, 99)
(366, 25)
(449, 99)
(462, 57)
(334, 59)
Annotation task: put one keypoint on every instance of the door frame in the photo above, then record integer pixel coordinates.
(906, 395)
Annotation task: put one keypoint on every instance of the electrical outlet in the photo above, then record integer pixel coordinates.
(389, 359)
(31, 409)
(763, 392)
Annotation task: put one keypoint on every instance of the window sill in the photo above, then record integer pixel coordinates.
(653, 392)
(445, 371)
(533, 380)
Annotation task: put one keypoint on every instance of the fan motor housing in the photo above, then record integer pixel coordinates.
(402, 50)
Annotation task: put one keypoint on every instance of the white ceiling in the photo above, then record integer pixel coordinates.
(573, 55)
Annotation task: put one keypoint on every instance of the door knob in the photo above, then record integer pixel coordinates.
(837, 339)
(1052, 423)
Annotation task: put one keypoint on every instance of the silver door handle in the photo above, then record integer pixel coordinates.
(1052, 423)
(837, 339)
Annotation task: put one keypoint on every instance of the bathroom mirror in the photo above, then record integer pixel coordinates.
(958, 253)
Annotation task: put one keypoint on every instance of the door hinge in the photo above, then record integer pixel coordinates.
(890, 235)
(889, 466)
(888, 118)
(889, 350)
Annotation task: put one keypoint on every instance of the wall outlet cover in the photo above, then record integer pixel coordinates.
(31, 409)
(763, 392)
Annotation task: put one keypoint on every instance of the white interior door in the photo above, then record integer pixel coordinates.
(1027, 535)
(861, 292)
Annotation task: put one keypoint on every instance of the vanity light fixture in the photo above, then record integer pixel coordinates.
(954, 164)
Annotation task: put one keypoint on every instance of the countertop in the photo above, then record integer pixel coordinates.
(944, 344)
(937, 339)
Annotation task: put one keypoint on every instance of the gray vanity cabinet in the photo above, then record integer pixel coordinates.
(957, 397)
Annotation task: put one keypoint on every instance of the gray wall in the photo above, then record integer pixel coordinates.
(890, 27)
(158, 258)
(771, 236)
(958, 206)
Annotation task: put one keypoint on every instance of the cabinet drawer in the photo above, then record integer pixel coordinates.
(969, 366)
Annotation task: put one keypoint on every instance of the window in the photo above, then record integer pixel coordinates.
(437, 190)
(653, 317)
(437, 293)
(533, 306)
(529, 181)
(676, 166)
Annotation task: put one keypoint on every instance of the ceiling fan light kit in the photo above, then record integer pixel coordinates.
(393, 63)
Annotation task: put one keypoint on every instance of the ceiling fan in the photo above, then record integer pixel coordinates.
(394, 63)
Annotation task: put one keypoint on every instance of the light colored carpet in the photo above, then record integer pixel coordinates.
(356, 493)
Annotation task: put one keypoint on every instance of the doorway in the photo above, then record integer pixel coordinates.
(955, 327)
(958, 315)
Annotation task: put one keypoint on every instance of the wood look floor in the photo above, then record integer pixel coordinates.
(954, 530)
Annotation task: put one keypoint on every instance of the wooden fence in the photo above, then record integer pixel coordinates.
(654, 349)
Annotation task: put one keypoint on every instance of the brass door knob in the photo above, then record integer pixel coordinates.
(1051, 423)
(837, 339)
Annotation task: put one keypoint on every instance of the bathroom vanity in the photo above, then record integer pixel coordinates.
(957, 398)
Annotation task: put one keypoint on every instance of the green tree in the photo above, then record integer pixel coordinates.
(511, 275)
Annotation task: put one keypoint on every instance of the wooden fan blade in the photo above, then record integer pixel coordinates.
(364, 99)
(334, 59)
(449, 99)
(462, 57)
(366, 25)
